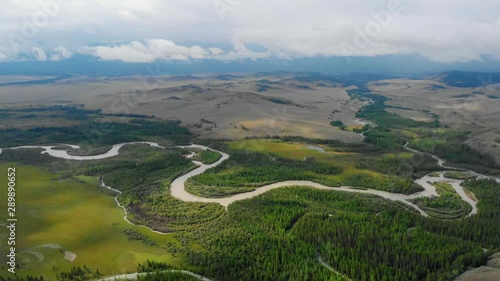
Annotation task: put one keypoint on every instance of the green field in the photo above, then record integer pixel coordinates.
(257, 162)
(33, 117)
(280, 235)
(86, 128)
(207, 156)
(76, 216)
(299, 152)
(458, 175)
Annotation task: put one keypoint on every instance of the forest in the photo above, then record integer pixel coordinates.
(339, 124)
(167, 276)
(280, 236)
(144, 175)
(393, 131)
(247, 170)
(450, 145)
(250, 170)
(77, 273)
(448, 205)
(414, 167)
(294, 233)
(90, 130)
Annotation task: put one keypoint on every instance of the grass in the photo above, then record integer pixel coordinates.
(208, 156)
(391, 133)
(470, 194)
(88, 150)
(89, 131)
(78, 216)
(445, 189)
(411, 114)
(298, 151)
(88, 179)
(404, 155)
(450, 145)
(218, 184)
(458, 175)
(216, 191)
(34, 119)
(247, 169)
(163, 212)
(294, 151)
(287, 150)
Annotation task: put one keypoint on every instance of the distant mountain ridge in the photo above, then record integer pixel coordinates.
(37, 81)
(469, 79)
(81, 64)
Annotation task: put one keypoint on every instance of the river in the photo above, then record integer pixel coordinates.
(178, 189)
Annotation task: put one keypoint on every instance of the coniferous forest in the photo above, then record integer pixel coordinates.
(292, 233)
(249, 140)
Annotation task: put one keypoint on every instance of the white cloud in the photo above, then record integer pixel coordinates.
(242, 52)
(60, 53)
(2, 57)
(444, 31)
(160, 49)
(216, 51)
(152, 49)
(39, 54)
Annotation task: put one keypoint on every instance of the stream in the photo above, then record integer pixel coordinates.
(178, 190)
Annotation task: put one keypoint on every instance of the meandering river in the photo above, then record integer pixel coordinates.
(178, 189)
(134, 276)
(63, 154)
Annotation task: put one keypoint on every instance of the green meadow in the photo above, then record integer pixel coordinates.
(299, 152)
(207, 156)
(75, 215)
(257, 162)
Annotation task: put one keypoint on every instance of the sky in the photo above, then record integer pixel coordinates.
(144, 31)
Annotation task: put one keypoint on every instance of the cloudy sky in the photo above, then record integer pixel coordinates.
(445, 31)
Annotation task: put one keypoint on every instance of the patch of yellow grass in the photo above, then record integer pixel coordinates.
(297, 151)
(272, 126)
(404, 155)
(409, 134)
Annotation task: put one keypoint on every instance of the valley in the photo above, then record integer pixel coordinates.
(207, 196)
